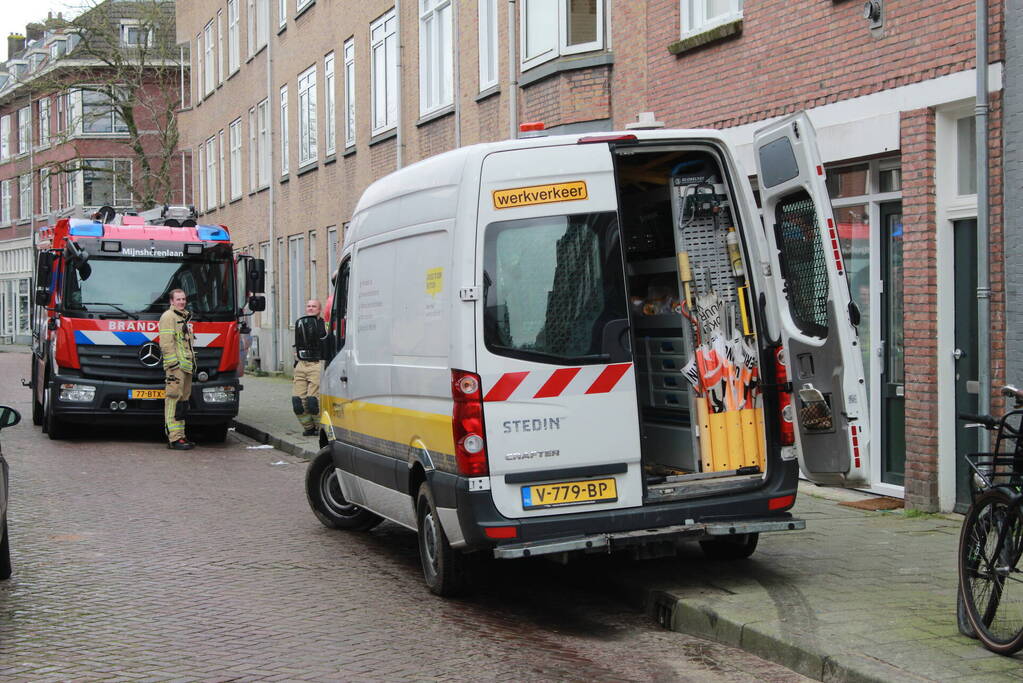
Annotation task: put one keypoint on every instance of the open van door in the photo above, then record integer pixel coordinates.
(818, 318)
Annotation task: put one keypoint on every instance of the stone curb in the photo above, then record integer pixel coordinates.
(262, 436)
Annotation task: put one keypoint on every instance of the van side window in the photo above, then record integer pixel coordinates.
(338, 322)
(551, 287)
(802, 263)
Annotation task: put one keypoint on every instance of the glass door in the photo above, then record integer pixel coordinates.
(893, 393)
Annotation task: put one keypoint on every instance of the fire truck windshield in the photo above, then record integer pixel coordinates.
(118, 285)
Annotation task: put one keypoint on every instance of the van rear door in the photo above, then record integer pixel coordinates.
(553, 354)
(821, 349)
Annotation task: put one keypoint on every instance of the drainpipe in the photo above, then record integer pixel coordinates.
(456, 87)
(275, 361)
(983, 229)
(400, 139)
(513, 83)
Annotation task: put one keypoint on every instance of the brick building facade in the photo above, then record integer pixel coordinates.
(298, 104)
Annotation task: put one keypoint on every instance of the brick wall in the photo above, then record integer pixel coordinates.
(1012, 182)
(920, 287)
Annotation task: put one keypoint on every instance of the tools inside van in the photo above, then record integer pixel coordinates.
(693, 333)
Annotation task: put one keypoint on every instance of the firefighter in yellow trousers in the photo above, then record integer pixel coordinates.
(305, 389)
(178, 364)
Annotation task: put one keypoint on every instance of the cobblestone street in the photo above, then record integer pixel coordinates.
(135, 562)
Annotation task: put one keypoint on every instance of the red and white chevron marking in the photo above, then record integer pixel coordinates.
(589, 379)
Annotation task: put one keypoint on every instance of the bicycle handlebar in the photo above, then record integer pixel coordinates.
(986, 420)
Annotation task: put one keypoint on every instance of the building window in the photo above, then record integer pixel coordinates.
(25, 196)
(383, 43)
(701, 15)
(302, 4)
(282, 13)
(349, 53)
(220, 45)
(200, 173)
(70, 188)
(233, 46)
(330, 113)
(250, 23)
(44, 190)
(44, 122)
(966, 155)
(5, 202)
(211, 173)
(263, 120)
(198, 72)
(24, 129)
(209, 66)
(222, 194)
(99, 113)
(556, 27)
(296, 276)
(307, 116)
(488, 43)
(262, 22)
(5, 137)
(236, 158)
(331, 250)
(312, 264)
(61, 113)
(106, 182)
(435, 55)
(253, 155)
(284, 130)
(134, 34)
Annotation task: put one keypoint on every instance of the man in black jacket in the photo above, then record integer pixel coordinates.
(305, 389)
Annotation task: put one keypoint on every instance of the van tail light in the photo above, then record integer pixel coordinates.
(786, 427)
(467, 424)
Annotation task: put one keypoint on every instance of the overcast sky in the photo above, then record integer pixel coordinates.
(14, 14)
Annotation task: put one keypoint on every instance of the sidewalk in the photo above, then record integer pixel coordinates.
(857, 596)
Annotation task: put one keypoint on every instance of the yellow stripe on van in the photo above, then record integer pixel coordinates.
(540, 194)
(388, 423)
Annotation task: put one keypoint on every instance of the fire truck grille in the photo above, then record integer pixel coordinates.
(121, 364)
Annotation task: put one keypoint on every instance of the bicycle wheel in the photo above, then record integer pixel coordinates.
(990, 581)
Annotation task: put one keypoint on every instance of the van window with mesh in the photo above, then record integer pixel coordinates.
(802, 263)
(551, 286)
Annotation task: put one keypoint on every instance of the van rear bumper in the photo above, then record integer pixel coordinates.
(644, 537)
(608, 530)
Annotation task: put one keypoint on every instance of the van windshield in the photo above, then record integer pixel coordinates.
(552, 285)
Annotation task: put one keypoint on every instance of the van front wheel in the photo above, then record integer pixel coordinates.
(323, 490)
(737, 547)
(443, 566)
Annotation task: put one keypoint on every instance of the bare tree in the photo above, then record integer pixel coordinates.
(123, 76)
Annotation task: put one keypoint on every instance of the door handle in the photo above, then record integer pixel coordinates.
(958, 354)
(344, 378)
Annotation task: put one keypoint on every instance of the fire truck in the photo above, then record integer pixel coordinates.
(101, 284)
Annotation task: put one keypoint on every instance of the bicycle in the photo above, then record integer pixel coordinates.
(991, 543)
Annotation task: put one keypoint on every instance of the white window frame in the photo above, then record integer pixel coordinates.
(77, 182)
(200, 173)
(44, 191)
(209, 65)
(282, 13)
(76, 112)
(262, 22)
(694, 20)
(488, 44)
(312, 264)
(220, 46)
(5, 137)
(126, 26)
(329, 105)
(436, 56)
(302, 4)
(5, 202)
(199, 74)
(211, 173)
(553, 15)
(307, 138)
(250, 26)
(233, 37)
(222, 193)
(253, 151)
(263, 142)
(285, 157)
(44, 121)
(235, 132)
(331, 249)
(349, 55)
(297, 277)
(24, 130)
(384, 73)
(25, 197)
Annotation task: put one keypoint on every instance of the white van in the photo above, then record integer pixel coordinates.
(590, 343)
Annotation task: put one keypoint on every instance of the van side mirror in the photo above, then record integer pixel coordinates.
(257, 303)
(255, 276)
(9, 417)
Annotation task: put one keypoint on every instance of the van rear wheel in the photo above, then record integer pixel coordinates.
(323, 490)
(443, 566)
(737, 547)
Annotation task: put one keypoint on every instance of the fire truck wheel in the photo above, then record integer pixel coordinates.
(328, 503)
(213, 433)
(52, 425)
(443, 566)
(5, 553)
(737, 547)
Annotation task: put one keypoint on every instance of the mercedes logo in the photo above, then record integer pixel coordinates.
(149, 354)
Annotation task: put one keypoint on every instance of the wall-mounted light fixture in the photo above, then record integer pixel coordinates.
(873, 12)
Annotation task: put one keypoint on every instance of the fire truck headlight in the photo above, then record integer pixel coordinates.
(78, 393)
(218, 394)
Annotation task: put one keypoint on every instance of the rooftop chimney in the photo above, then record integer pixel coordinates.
(33, 31)
(15, 45)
